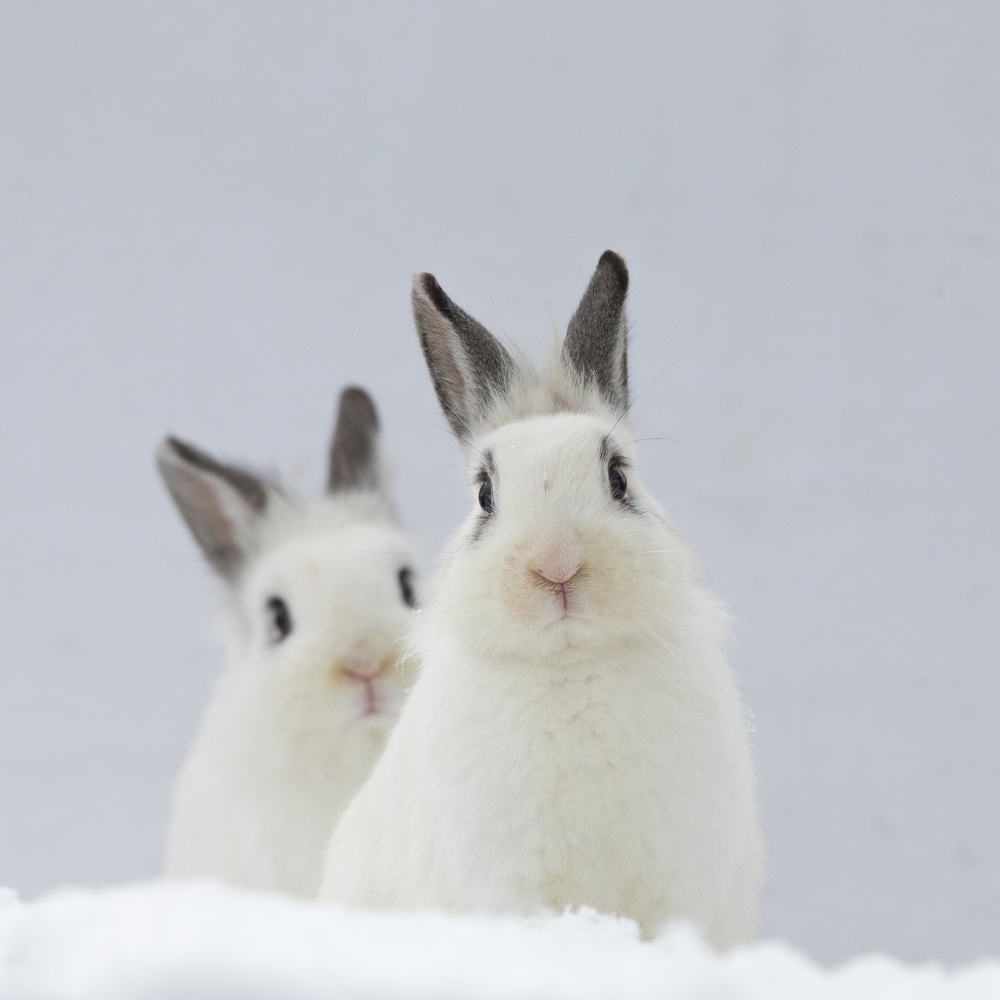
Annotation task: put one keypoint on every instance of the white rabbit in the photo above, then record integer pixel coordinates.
(319, 593)
(575, 736)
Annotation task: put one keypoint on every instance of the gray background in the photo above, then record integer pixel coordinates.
(209, 215)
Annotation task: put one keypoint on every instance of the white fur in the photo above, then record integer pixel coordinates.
(286, 742)
(542, 761)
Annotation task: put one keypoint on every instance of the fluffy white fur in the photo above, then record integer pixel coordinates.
(289, 737)
(572, 747)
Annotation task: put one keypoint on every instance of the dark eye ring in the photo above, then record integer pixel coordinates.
(281, 619)
(406, 587)
(619, 484)
(486, 496)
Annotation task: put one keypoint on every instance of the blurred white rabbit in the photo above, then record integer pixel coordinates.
(575, 736)
(318, 595)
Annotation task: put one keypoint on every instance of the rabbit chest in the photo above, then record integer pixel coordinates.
(589, 786)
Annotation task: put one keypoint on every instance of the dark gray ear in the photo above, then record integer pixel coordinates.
(468, 365)
(596, 342)
(354, 459)
(222, 505)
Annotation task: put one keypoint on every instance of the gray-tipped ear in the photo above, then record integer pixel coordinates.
(222, 505)
(354, 457)
(596, 342)
(468, 365)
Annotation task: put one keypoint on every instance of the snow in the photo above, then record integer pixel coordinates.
(158, 941)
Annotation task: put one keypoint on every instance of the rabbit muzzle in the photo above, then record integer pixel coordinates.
(557, 569)
(365, 668)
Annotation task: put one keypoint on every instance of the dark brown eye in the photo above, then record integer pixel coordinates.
(406, 587)
(486, 496)
(619, 484)
(280, 619)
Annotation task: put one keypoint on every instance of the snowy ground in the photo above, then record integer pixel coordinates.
(159, 941)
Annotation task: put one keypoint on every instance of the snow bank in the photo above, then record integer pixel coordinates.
(163, 941)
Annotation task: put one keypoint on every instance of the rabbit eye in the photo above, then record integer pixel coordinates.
(280, 619)
(486, 496)
(619, 484)
(406, 587)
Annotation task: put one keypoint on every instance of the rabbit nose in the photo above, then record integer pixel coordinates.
(363, 667)
(558, 563)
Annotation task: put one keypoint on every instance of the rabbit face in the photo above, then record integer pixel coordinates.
(325, 615)
(562, 543)
(320, 590)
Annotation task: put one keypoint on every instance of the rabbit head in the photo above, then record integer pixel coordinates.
(561, 544)
(319, 591)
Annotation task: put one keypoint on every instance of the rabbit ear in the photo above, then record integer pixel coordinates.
(597, 338)
(468, 365)
(354, 458)
(222, 505)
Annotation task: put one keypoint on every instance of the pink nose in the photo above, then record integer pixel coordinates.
(362, 662)
(363, 669)
(558, 563)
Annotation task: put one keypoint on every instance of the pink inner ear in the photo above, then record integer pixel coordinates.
(213, 523)
(446, 347)
(452, 374)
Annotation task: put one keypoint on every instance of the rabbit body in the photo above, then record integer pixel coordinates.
(314, 616)
(575, 736)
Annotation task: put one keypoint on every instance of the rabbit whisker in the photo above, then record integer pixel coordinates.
(671, 440)
(648, 387)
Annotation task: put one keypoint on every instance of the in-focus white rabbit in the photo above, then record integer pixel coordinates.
(575, 736)
(318, 595)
